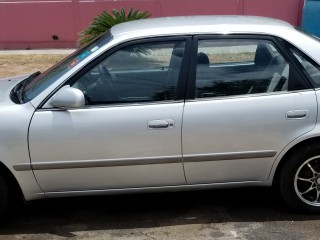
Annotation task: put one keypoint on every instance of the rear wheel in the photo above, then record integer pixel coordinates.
(300, 179)
(4, 194)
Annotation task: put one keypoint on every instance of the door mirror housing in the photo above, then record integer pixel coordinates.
(68, 97)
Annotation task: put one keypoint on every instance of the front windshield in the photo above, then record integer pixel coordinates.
(41, 82)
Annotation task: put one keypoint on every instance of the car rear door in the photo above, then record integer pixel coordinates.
(246, 102)
(129, 133)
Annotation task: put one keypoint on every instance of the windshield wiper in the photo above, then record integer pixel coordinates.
(18, 90)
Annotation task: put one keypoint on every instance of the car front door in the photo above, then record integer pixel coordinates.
(247, 101)
(128, 135)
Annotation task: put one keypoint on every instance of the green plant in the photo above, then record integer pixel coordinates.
(105, 21)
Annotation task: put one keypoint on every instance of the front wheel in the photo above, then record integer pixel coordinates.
(300, 179)
(3, 197)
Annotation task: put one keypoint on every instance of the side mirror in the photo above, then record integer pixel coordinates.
(68, 97)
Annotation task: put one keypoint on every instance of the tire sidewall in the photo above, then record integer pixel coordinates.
(4, 198)
(288, 173)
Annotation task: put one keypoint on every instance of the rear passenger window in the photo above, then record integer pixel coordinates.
(311, 68)
(228, 67)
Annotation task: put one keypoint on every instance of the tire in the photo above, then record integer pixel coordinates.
(300, 178)
(4, 198)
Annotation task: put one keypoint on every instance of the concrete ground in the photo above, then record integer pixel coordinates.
(253, 213)
(37, 51)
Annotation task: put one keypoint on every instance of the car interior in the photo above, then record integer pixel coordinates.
(132, 77)
(137, 78)
(268, 72)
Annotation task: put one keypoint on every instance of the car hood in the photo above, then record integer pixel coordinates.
(6, 85)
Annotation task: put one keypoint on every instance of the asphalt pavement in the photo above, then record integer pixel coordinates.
(244, 214)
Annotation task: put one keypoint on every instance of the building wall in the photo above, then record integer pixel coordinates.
(32, 23)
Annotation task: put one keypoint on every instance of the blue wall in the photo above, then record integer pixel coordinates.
(311, 17)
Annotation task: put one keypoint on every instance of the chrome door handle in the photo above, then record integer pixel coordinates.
(297, 114)
(161, 124)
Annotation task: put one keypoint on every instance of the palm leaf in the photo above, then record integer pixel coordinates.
(104, 21)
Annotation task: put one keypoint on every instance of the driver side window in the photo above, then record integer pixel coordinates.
(137, 73)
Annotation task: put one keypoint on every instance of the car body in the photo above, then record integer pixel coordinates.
(175, 103)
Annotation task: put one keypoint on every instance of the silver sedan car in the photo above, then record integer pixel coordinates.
(180, 103)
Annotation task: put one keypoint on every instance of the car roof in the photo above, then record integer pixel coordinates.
(198, 24)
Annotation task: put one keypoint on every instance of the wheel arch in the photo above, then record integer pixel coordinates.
(285, 158)
(9, 178)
